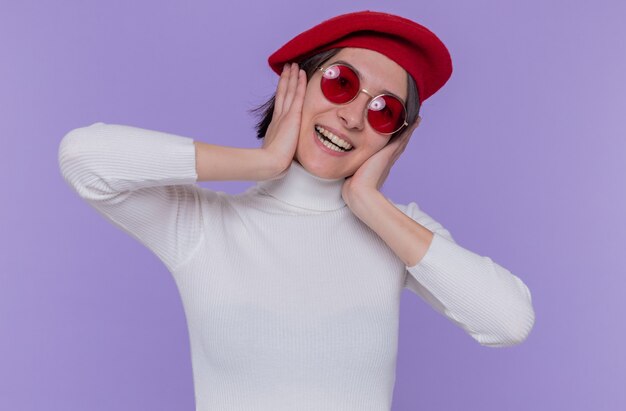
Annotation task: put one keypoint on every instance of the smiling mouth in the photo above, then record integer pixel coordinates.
(326, 137)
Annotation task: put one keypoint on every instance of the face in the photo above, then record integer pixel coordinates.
(348, 121)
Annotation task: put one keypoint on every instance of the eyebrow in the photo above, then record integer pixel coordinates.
(384, 91)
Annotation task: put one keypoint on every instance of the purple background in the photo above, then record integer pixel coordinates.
(521, 156)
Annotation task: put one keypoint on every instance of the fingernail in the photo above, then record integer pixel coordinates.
(285, 66)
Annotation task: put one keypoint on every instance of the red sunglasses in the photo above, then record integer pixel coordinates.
(385, 112)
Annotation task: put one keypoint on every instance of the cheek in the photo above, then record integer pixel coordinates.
(314, 102)
(375, 143)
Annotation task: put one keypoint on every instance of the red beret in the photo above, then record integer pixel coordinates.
(411, 45)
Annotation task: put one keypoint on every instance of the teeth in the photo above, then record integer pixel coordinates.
(330, 145)
(333, 138)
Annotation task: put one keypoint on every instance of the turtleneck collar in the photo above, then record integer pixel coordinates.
(298, 187)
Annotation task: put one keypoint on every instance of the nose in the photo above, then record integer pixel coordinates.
(352, 115)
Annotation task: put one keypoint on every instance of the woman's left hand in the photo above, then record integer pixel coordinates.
(374, 171)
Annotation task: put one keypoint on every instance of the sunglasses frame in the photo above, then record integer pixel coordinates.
(372, 98)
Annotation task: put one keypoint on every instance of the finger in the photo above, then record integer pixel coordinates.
(396, 141)
(403, 143)
(396, 146)
(296, 106)
(270, 130)
(407, 136)
(291, 87)
(280, 91)
(404, 137)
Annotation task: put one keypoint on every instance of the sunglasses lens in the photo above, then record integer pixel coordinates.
(386, 114)
(339, 84)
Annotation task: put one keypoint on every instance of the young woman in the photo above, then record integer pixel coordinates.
(292, 289)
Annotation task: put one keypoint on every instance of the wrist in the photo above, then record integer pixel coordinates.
(268, 164)
(361, 198)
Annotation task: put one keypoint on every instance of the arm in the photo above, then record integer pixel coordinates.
(485, 299)
(221, 163)
(142, 181)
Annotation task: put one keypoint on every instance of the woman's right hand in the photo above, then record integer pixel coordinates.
(281, 139)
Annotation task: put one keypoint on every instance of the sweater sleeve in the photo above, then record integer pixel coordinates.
(142, 181)
(485, 299)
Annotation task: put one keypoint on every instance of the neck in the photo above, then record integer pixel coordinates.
(298, 187)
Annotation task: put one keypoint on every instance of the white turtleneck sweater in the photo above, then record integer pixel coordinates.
(292, 302)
